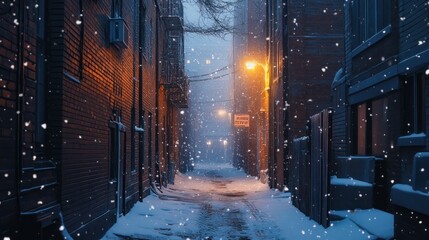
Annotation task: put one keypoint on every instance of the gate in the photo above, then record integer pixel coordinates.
(300, 173)
(309, 169)
(320, 127)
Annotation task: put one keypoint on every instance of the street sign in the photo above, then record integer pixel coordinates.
(241, 120)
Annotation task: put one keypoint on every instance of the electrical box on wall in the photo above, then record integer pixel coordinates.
(118, 32)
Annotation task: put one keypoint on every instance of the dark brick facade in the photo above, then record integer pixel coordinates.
(73, 106)
(313, 54)
(250, 17)
(303, 51)
(380, 75)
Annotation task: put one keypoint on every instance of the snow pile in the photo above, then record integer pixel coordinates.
(156, 219)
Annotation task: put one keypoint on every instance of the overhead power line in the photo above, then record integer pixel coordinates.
(217, 101)
(208, 74)
(212, 78)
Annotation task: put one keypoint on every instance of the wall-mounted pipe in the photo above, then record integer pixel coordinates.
(20, 87)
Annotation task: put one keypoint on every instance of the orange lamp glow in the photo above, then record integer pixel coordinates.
(250, 65)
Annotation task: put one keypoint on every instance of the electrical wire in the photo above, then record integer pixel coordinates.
(217, 101)
(213, 78)
(207, 74)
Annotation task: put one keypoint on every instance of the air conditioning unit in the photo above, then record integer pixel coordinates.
(118, 31)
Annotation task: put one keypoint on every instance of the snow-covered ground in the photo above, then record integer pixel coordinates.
(217, 201)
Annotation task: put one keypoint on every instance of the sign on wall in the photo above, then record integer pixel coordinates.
(241, 120)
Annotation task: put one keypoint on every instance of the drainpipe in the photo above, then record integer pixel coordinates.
(20, 87)
(157, 170)
(81, 40)
(136, 43)
(286, 160)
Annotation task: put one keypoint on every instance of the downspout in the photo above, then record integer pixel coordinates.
(140, 94)
(286, 162)
(63, 229)
(270, 165)
(136, 42)
(157, 173)
(20, 87)
(81, 40)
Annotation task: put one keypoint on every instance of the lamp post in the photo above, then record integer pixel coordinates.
(263, 129)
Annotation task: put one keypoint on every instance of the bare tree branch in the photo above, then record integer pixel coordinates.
(216, 17)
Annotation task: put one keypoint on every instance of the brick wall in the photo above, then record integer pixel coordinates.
(8, 119)
(83, 101)
(150, 87)
(413, 20)
(75, 82)
(314, 55)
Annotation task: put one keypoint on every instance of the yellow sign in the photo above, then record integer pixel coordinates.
(241, 120)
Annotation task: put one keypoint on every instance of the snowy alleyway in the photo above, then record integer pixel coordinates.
(220, 202)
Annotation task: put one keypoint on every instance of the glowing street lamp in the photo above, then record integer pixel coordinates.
(221, 112)
(251, 65)
(263, 127)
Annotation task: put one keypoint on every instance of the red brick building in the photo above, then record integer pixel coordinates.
(249, 44)
(82, 111)
(300, 45)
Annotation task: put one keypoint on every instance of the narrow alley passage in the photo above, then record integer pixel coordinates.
(220, 202)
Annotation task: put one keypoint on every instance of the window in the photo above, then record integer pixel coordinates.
(414, 104)
(368, 17)
(376, 126)
(143, 33)
(149, 141)
(362, 112)
(116, 8)
(150, 42)
(113, 147)
(117, 149)
(141, 142)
